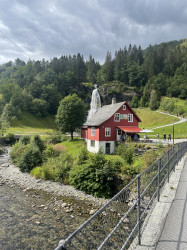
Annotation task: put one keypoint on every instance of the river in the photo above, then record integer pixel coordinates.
(36, 219)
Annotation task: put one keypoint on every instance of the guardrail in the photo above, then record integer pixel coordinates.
(115, 225)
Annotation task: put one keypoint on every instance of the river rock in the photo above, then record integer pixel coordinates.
(92, 211)
(69, 210)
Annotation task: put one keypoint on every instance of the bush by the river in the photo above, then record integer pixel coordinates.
(25, 155)
(96, 176)
(126, 152)
(10, 139)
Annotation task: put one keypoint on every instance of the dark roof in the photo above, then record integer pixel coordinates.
(104, 113)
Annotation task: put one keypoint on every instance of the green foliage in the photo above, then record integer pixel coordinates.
(49, 152)
(58, 168)
(96, 177)
(30, 158)
(71, 114)
(82, 156)
(39, 107)
(10, 139)
(57, 137)
(16, 152)
(37, 141)
(25, 139)
(154, 101)
(173, 105)
(126, 152)
(38, 172)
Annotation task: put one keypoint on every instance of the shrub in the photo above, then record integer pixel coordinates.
(16, 152)
(10, 139)
(148, 158)
(37, 172)
(116, 164)
(57, 137)
(25, 139)
(36, 140)
(64, 164)
(126, 152)
(30, 158)
(49, 152)
(82, 156)
(96, 177)
(58, 168)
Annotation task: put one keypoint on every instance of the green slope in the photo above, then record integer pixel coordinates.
(30, 124)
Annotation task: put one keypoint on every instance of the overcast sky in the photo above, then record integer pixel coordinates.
(39, 29)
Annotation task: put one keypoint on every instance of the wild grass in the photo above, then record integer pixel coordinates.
(30, 124)
(74, 146)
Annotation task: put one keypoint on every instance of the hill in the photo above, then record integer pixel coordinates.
(30, 124)
(141, 77)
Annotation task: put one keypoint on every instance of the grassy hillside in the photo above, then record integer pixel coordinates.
(151, 119)
(180, 131)
(29, 124)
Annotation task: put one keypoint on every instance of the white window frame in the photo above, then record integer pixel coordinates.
(124, 107)
(130, 117)
(117, 115)
(92, 131)
(107, 132)
(92, 143)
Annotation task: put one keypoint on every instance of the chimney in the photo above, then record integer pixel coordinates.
(113, 100)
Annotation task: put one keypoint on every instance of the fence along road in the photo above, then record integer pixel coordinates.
(120, 220)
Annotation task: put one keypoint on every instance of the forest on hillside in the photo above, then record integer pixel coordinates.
(38, 86)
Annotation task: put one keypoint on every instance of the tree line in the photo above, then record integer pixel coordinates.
(38, 86)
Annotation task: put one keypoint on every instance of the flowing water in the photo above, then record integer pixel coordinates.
(95, 104)
(35, 219)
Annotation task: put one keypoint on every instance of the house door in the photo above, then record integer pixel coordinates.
(107, 149)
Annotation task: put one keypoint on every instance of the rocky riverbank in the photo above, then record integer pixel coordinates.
(36, 214)
(10, 174)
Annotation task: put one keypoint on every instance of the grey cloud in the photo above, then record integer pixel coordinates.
(45, 29)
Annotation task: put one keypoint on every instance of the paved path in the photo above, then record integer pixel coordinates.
(174, 234)
(165, 226)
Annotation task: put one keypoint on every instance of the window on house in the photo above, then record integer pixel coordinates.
(107, 132)
(92, 131)
(130, 117)
(124, 107)
(92, 143)
(117, 117)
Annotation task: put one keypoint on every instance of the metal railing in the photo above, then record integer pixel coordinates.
(116, 224)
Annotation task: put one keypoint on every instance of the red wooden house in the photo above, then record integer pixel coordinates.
(109, 124)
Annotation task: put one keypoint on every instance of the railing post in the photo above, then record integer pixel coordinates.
(174, 156)
(168, 164)
(139, 211)
(159, 167)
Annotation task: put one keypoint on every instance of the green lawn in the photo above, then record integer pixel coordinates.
(74, 146)
(29, 124)
(151, 119)
(180, 131)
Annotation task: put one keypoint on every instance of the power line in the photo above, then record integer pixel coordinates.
(10, 40)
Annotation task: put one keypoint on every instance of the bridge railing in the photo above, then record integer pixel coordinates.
(115, 225)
